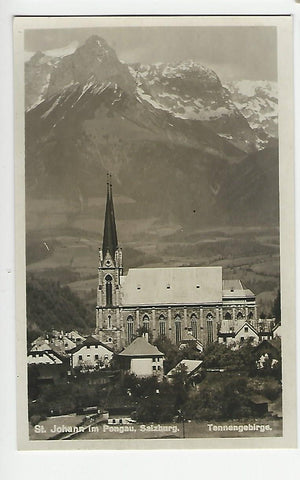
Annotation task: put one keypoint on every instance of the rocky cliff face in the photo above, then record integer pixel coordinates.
(191, 91)
(38, 72)
(258, 103)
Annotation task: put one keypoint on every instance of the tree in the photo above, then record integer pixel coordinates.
(189, 351)
(276, 310)
(51, 306)
(218, 355)
(157, 403)
(171, 352)
(220, 397)
(180, 385)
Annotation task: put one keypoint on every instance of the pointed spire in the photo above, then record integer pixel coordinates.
(110, 241)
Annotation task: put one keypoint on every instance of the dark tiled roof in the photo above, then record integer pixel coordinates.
(141, 348)
(90, 341)
(49, 353)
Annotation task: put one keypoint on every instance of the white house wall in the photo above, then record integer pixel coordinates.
(246, 335)
(87, 356)
(143, 367)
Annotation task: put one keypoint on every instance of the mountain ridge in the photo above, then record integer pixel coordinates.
(94, 117)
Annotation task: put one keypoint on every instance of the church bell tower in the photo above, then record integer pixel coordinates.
(110, 270)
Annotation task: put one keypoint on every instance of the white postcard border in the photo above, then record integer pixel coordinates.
(286, 129)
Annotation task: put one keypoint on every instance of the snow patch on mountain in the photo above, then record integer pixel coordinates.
(249, 88)
(257, 100)
(148, 98)
(57, 52)
(192, 91)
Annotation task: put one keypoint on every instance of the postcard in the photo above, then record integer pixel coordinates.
(155, 296)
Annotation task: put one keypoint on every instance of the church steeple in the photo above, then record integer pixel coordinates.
(110, 240)
(110, 271)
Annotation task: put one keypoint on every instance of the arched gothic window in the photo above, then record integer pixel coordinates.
(129, 329)
(108, 290)
(250, 316)
(239, 316)
(194, 325)
(162, 326)
(227, 316)
(177, 328)
(209, 326)
(146, 323)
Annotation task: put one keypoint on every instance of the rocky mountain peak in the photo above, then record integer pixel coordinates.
(36, 57)
(39, 59)
(97, 41)
(190, 90)
(96, 47)
(94, 59)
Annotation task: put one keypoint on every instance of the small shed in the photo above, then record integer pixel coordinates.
(191, 368)
(259, 404)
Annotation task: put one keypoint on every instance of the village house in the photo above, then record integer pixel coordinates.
(45, 357)
(91, 355)
(188, 340)
(142, 359)
(48, 364)
(55, 340)
(265, 328)
(75, 337)
(39, 345)
(235, 335)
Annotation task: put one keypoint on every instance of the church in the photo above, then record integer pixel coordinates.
(175, 302)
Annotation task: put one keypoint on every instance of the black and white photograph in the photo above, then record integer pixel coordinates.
(155, 164)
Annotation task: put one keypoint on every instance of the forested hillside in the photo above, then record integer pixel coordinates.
(51, 306)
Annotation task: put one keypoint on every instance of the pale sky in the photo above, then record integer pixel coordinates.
(233, 52)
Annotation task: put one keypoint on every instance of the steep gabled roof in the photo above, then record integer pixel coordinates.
(90, 341)
(187, 338)
(235, 289)
(51, 354)
(190, 365)
(38, 347)
(141, 348)
(278, 325)
(226, 325)
(74, 333)
(172, 286)
(238, 325)
(247, 325)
